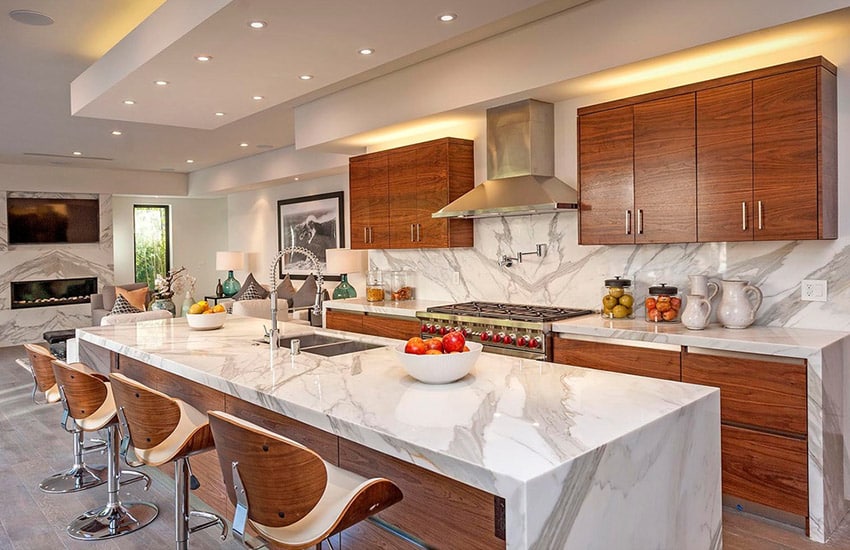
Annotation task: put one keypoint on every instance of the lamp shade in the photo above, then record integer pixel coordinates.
(229, 261)
(345, 260)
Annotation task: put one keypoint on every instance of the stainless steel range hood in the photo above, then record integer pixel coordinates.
(520, 167)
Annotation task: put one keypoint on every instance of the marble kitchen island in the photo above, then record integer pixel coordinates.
(581, 458)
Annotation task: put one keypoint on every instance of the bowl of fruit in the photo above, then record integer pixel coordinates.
(438, 360)
(203, 317)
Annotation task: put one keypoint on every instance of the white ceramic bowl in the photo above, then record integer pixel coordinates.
(439, 369)
(206, 321)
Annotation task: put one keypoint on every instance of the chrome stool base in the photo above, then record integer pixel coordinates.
(112, 520)
(78, 478)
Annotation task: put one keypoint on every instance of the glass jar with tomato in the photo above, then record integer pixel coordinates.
(663, 304)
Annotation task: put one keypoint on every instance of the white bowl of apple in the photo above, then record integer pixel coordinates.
(438, 360)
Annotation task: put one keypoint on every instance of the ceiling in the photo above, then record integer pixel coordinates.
(114, 51)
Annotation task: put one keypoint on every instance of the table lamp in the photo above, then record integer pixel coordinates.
(345, 261)
(228, 261)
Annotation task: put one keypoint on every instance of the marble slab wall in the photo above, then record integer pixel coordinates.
(572, 275)
(62, 261)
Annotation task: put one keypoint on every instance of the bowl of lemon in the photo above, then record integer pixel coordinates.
(203, 317)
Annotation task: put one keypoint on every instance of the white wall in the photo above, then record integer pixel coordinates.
(199, 228)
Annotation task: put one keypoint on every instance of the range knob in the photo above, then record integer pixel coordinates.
(535, 342)
(499, 337)
(509, 338)
(465, 331)
(424, 328)
(523, 340)
(485, 335)
(444, 330)
(432, 328)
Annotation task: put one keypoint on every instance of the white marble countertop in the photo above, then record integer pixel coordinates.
(506, 424)
(789, 342)
(407, 308)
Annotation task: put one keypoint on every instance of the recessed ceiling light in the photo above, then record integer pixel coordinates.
(203, 57)
(447, 17)
(219, 114)
(243, 145)
(129, 102)
(257, 24)
(161, 82)
(77, 153)
(366, 51)
(117, 132)
(305, 76)
(29, 17)
(257, 98)
(189, 161)
(296, 179)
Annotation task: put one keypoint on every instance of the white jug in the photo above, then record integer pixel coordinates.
(701, 285)
(697, 312)
(739, 304)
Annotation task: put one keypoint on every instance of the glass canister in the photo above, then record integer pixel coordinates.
(375, 286)
(618, 301)
(400, 285)
(663, 304)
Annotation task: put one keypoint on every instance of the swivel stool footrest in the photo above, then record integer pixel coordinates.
(183, 513)
(79, 476)
(116, 518)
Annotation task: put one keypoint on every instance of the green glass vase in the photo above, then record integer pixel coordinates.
(344, 289)
(230, 286)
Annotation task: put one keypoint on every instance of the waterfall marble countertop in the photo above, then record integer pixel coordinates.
(576, 453)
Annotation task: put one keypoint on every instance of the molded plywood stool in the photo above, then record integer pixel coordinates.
(87, 397)
(296, 499)
(80, 475)
(160, 429)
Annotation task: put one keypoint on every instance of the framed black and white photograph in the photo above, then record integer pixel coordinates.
(315, 223)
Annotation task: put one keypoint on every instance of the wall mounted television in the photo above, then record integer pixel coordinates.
(52, 221)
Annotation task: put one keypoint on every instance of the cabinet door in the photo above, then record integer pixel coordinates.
(403, 196)
(606, 177)
(379, 201)
(344, 320)
(785, 155)
(725, 163)
(359, 190)
(432, 193)
(665, 170)
(390, 327)
(654, 363)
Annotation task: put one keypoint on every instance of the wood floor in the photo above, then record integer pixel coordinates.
(32, 445)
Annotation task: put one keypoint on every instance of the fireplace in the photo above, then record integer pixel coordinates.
(53, 292)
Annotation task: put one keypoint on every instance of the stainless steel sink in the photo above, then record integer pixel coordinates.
(327, 346)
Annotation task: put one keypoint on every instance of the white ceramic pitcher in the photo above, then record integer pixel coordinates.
(697, 312)
(739, 304)
(703, 286)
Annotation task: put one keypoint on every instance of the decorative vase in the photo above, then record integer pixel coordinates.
(230, 286)
(344, 289)
(738, 304)
(164, 303)
(188, 300)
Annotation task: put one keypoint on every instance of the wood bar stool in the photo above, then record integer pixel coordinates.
(158, 429)
(87, 397)
(296, 499)
(80, 475)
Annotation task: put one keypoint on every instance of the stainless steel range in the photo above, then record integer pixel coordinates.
(509, 329)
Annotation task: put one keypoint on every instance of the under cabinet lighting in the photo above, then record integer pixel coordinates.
(305, 76)
(447, 17)
(203, 58)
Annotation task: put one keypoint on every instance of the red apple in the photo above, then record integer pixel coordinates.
(415, 346)
(435, 343)
(453, 341)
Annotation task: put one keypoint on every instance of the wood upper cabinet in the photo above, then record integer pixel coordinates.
(391, 205)
(369, 201)
(725, 163)
(665, 170)
(606, 177)
(744, 157)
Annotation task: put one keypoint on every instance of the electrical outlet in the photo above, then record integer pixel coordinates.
(812, 290)
(456, 277)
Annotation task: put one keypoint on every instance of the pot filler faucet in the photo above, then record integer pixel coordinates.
(274, 334)
(507, 261)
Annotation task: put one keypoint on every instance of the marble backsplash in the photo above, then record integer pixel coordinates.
(572, 275)
(35, 262)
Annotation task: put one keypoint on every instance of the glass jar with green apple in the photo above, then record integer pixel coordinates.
(618, 300)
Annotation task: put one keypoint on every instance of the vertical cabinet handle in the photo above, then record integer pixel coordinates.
(743, 215)
(640, 221)
(365, 235)
(418, 234)
(411, 234)
(761, 224)
(628, 222)
(371, 239)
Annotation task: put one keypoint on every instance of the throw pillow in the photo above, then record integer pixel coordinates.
(250, 280)
(285, 289)
(123, 306)
(250, 293)
(306, 294)
(137, 298)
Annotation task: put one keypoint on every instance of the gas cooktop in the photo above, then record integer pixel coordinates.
(513, 312)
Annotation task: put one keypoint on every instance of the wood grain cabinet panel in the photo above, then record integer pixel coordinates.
(725, 163)
(344, 320)
(368, 323)
(654, 363)
(768, 469)
(440, 511)
(369, 201)
(760, 393)
(606, 177)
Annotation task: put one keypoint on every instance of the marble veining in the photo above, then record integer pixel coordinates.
(570, 449)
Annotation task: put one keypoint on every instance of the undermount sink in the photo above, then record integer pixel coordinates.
(327, 346)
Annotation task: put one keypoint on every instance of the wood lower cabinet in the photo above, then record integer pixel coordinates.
(623, 358)
(393, 194)
(369, 323)
(763, 424)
